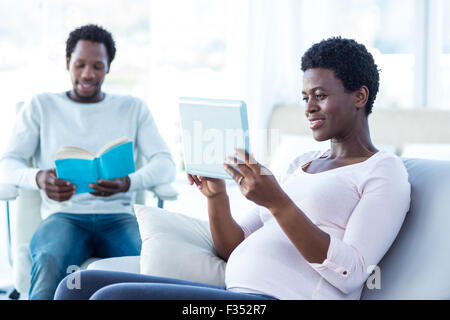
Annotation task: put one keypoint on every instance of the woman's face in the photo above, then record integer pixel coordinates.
(329, 108)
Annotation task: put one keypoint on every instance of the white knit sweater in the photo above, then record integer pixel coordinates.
(50, 121)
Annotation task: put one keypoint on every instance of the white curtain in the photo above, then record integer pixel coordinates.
(264, 50)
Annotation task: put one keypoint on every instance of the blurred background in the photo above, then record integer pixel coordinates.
(240, 49)
(229, 49)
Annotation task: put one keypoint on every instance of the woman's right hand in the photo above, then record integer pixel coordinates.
(209, 187)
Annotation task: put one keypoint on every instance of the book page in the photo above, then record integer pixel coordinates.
(111, 145)
(67, 152)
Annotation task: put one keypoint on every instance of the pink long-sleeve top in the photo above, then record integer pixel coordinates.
(361, 206)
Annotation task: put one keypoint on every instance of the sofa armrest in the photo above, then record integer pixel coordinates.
(165, 192)
(8, 192)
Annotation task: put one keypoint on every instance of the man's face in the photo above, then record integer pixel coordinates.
(88, 67)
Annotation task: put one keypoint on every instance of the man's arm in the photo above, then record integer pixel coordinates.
(22, 145)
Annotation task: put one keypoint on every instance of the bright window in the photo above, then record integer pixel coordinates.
(32, 47)
(444, 89)
(172, 48)
(375, 23)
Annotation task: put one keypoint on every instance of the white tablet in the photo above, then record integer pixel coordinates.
(212, 129)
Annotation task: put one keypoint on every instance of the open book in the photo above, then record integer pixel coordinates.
(81, 167)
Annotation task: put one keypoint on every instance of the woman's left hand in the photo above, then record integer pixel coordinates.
(256, 182)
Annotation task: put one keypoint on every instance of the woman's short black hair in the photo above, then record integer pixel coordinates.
(92, 33)
(350, 62)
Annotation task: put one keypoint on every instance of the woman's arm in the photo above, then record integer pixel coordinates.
(370, 231)
(226, 233)
(263, 189)
(311, 241)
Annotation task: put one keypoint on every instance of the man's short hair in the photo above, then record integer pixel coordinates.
(350, 62)
(92, 33)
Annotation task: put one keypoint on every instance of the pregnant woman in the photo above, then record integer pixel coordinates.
(315, 233)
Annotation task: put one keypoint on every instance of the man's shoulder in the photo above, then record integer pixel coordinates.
(47, 97)
(40, 100)
(126, 101)
(125, 98)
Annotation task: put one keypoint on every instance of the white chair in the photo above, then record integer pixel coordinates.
(27, 217)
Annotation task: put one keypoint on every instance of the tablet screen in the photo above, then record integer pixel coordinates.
(212, 129)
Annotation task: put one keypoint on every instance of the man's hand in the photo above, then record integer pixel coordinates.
(106, 188)
(56, 189)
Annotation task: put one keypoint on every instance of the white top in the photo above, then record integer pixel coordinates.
(361, 206)
(50, 121)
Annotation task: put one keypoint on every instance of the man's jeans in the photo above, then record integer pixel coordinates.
(67, 239)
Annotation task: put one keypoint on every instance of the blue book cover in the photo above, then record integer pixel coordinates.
(81, 167)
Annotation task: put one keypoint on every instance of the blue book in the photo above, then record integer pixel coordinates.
(81, 167)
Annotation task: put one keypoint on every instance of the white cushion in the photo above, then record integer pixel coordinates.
(387, 147)
(291, 146)
(177, 246)
(124, 264)
(434, 151)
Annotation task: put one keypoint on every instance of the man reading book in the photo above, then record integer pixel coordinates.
(77, 226)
